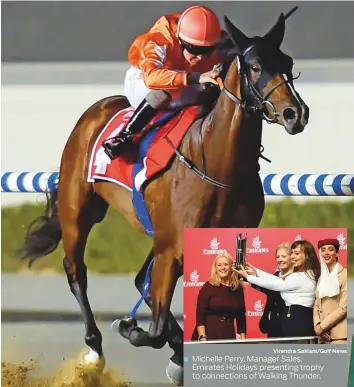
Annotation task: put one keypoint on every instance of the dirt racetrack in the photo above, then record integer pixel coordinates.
(68, 374)
(45, 355)
(36, 354)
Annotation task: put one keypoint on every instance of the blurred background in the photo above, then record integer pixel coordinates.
(58, 58)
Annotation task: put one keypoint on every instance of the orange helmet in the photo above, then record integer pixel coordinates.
(199, 26)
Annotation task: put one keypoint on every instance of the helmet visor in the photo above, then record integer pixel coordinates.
(197, 50)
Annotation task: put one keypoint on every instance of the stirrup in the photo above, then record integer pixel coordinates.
(115, 149)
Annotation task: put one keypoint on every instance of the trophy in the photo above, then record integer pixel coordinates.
(241, 248)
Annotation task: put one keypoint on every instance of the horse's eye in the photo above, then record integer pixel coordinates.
(256, 68)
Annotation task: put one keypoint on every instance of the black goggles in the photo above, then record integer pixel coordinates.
(197, 50)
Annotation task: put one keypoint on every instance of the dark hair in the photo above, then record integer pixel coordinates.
(312, 262)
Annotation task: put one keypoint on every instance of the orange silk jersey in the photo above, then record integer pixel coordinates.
(158, 54)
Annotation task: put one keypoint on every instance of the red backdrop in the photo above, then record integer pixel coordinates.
(201, 246)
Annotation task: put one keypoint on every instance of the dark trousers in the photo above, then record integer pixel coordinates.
(296, 321)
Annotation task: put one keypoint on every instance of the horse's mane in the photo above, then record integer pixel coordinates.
(228, 53)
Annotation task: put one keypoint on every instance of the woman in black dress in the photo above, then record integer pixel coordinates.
(220, 302)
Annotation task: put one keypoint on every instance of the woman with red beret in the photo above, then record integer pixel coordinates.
(330, 309)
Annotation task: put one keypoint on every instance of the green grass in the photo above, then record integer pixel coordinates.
(114, 247)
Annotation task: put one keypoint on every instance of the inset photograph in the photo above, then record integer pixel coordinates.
(265, 285)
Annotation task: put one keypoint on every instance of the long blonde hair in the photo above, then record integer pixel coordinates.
(285, 246)
(215, 280)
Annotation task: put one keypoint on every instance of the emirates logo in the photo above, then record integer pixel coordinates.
(258, 309)
(214, 248)
(342, 241)
(256, 246)
(256, 243)
(258, 306)
(193, 280)
(214, 244)
(194, 276)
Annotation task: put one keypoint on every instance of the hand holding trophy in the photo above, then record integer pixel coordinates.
(241, 248)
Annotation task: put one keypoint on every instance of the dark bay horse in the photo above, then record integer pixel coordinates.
(223, 147)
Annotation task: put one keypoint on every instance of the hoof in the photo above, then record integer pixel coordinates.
(92, 358)
(124, 327)
(135, 336)
(174, 373)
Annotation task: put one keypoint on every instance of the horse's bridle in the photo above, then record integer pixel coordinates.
(259, 105)
(257, 108)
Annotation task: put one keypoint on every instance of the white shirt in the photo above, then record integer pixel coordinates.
(295, 289)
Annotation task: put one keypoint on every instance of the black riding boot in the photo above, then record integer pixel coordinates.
(141, 117)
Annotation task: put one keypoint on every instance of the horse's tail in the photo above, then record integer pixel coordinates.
(44, 233)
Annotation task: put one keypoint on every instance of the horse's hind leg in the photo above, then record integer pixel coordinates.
(77, 220)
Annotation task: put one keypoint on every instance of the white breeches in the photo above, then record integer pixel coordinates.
(135, 89)
(134, 86)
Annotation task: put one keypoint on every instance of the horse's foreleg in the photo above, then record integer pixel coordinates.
(174, 331)
(165, 273)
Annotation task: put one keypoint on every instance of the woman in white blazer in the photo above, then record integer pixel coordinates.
(297, 289)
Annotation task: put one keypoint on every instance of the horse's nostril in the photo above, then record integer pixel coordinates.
(289, 114)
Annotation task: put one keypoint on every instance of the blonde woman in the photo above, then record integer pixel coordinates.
(330, 311)
(220, 302)
(270, 321)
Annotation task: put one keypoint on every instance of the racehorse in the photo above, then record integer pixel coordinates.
(220, 188)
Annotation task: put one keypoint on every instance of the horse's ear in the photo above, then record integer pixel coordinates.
(276, 34)
(239, 39)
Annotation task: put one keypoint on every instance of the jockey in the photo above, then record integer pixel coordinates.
(178, 53)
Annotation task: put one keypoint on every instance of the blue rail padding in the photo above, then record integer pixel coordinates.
(29, 181)
(36, 185)
(4, 185)
(273, 184)
(284, 184)
(319, 186)
(337, 184)
(53, 181)
(302, 185)
(267, 184)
